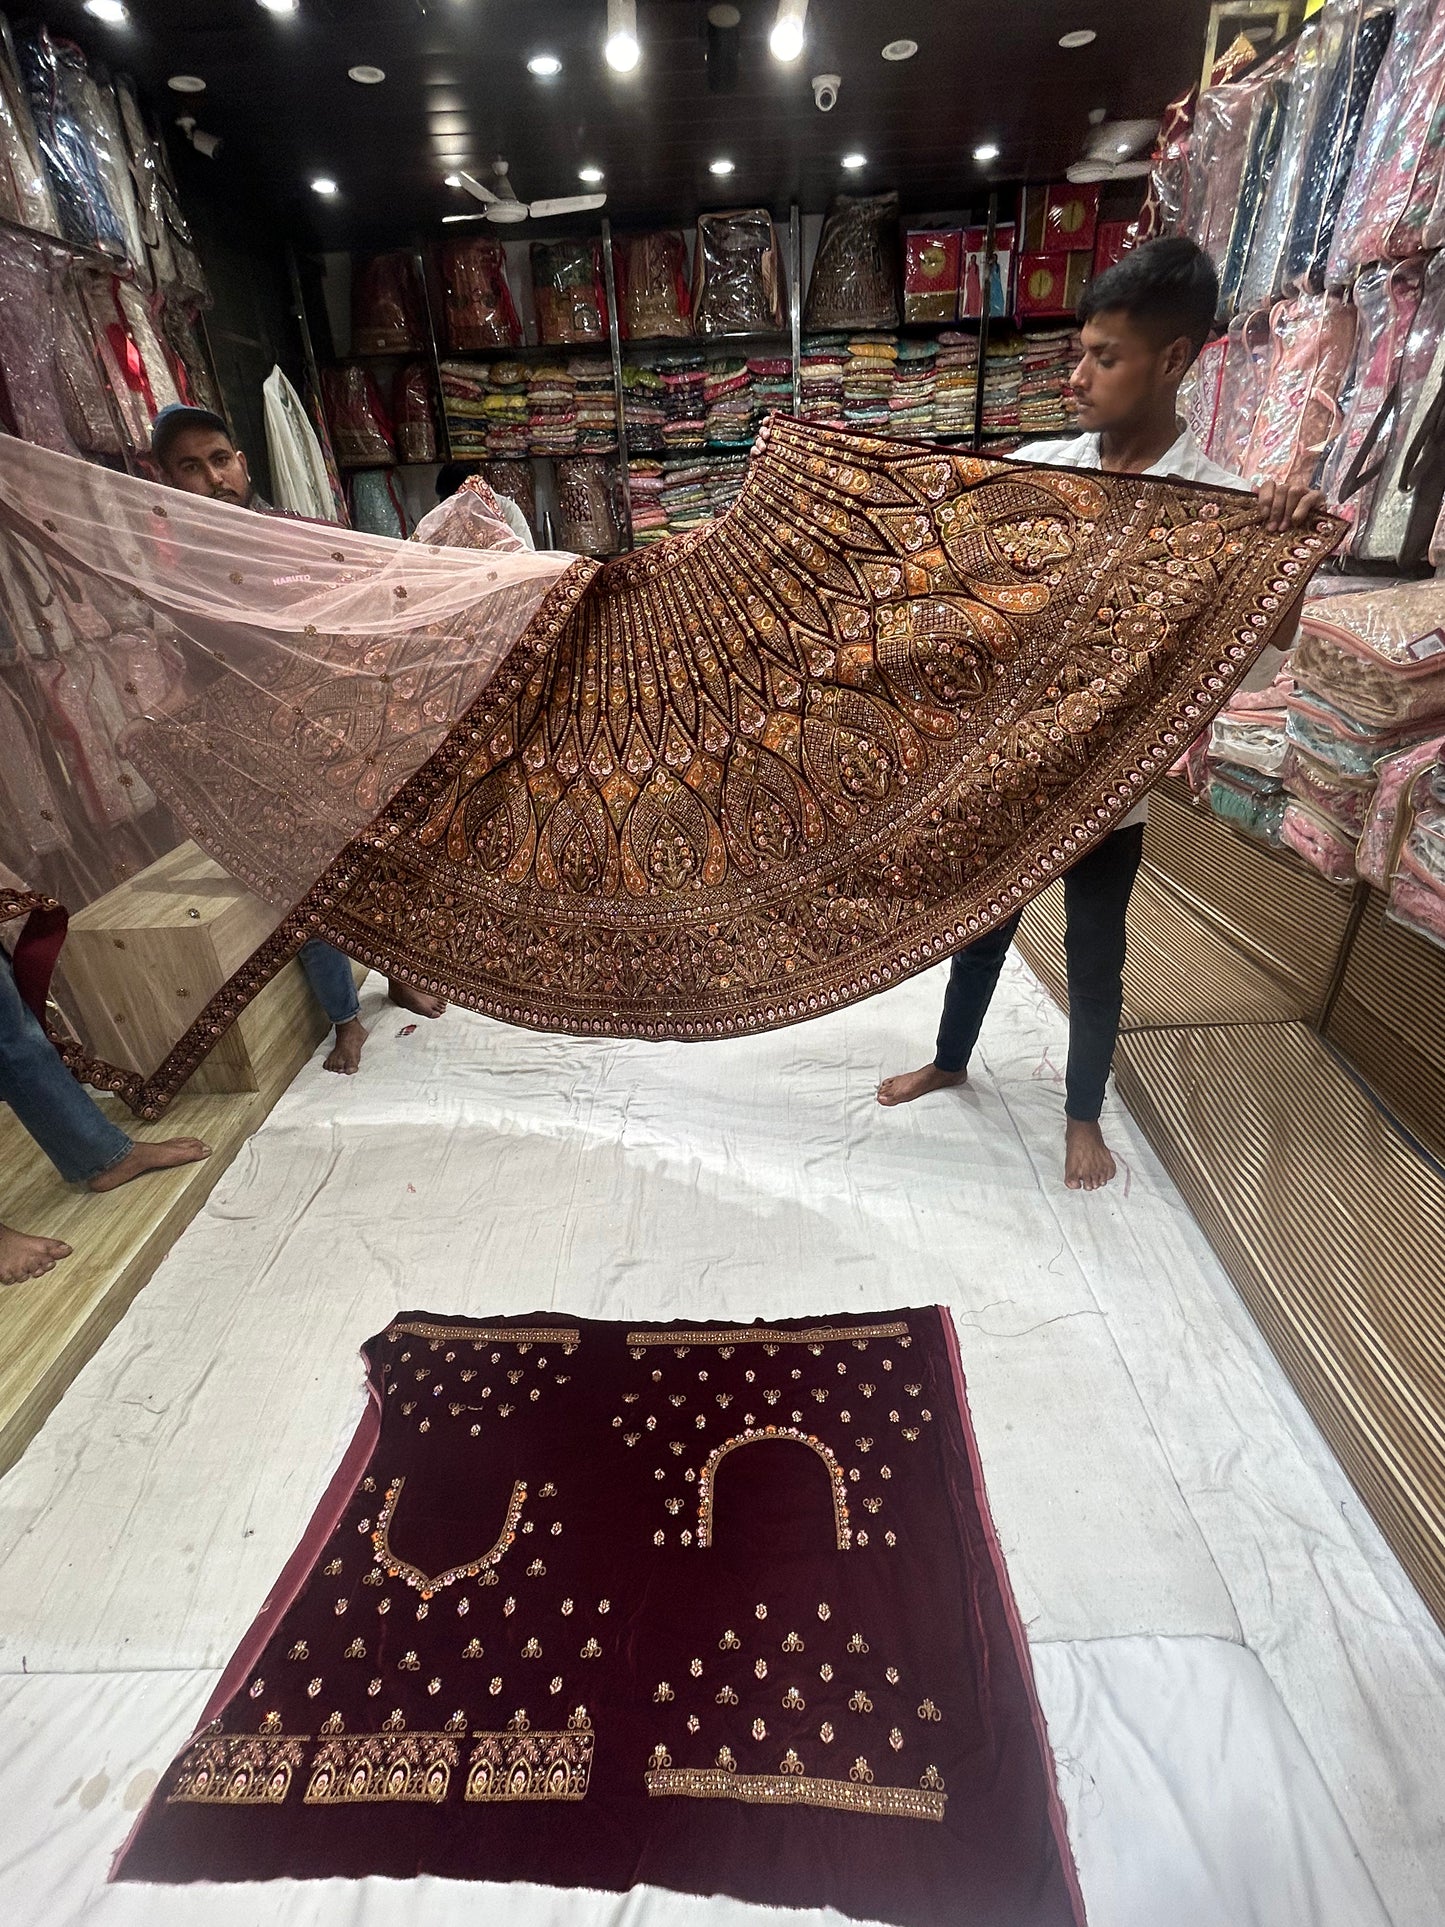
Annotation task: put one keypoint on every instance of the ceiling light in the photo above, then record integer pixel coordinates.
(720, 167)
(900, 50)
(112, 12)
(279, 6)
(544, 65)
(366, 76)
(592, 175)
(622, 50)
(453, 180)
(186, 84)
(1079, 38)
(323, 183)
(988, 151)
(785, 42)
(724, 17)
(855, 161)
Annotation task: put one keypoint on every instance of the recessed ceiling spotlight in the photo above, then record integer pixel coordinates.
(186, 84)
(366, 76)
(622, 51)
(544, 66)
(1097, 116)
(592, 175)
(323, 183)
(900, 50)
(854, 161)
(279, 6)
(785, 42)
(112, 12)
(720, 167)
(987, 151)
(1079, 38)
(452, 180)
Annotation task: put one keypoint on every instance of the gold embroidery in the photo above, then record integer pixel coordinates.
(427, 1584)
(567, 1335)
(767, 1335)
(788, 1789)
(370, 1767)
(707, 1478)
(532, 1766)
(237, 1769)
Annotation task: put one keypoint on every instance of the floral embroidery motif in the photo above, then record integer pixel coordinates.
(541, 1765)
(928, 1711)
(373, 1768)
(237, 1769)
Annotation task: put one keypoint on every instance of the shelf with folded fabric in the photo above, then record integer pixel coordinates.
(359, 468)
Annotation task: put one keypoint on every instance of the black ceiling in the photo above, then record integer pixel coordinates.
(457, 92)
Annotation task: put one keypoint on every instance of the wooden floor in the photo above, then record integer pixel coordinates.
(50, 1326)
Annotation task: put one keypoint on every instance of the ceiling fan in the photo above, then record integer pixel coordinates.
(504, 207)
(1112, 151)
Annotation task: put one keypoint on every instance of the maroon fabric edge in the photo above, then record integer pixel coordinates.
(1057, 1818)
(37, 950)
(319, 1528)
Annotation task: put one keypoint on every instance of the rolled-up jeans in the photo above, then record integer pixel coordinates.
(333, 983)
(59, 1113)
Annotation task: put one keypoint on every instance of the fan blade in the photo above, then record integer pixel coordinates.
(569, 204)
(476, 190)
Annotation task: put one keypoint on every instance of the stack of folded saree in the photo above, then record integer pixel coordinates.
(956, 385)
(683, 403)
(868, 382)
(915, 385)
(644, 486)
(727, 397)
(1002, 381)
(642, 409)
(1045, 403)
(591, 376)
(824, 363)
(1246, 761)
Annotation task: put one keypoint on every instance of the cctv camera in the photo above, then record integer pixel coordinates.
(207, 144)
(825, 91)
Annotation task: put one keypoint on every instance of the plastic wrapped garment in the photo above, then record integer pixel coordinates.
(1331, 736)
(1249, 731)
(1402, 785)
(568, 293)
(1333, 143)
(1165, 209)
(1247, 800)
(25, 193)
(586, 506)
(1322, 43)
(299, 480)
(1201, 391)
(1385, 302)
(1319, 841)
(52, 387)
(414, 414)
(100, 117)
(737, 274)
(1392, 192)
(515, 481)
(855, 274)
(1265, 133)
(1217, 157)
(655, 302)
(1417, 892)
(388, 308)
(1344, 801)
(186, 351)
(1311, 340)
(1357, 238)
(1380, 655)
(55, 77)
(1241, 388)
(476, 298)
(178, 270)
(1408, 488)
(376, 504)
(360, 427)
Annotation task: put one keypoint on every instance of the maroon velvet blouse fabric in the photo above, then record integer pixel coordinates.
(715, 1609)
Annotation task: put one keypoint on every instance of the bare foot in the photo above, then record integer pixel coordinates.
(419, 1001)
(345, 1055)
(910, 1084)
(142, 1157)
(22, 1256)
(1088, 1162)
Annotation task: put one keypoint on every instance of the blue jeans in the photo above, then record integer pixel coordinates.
(60, 1114)
(328, 971)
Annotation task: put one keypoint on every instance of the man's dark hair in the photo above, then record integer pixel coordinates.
(1168, 287)
(451, 475)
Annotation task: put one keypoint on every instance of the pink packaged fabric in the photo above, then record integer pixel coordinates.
(1417, 893)
(1379, 144)
(1218, 144)
(1386, 299)
(1317, 840)
(1396, 200)
(1250, 730)
(1384, 533)
(1343, 801)
(1311, 340)
(1241, 387)
(1378, 656)
(1399, 789)
(1199, 397)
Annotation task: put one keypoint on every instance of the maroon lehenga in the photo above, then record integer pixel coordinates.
(712, 1608)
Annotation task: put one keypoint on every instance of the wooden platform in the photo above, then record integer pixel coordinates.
(50, 1326)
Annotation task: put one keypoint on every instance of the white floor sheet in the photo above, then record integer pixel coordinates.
(1245, 1697)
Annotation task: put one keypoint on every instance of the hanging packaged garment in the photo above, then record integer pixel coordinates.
(1384, 129)
(100, 117)
(654, 294)
(54, 72)
(1410, 483)
(1334, 139)
(1320, 46)
(40, 398)
(1241, 387)
(1311, 340)
(414, 414)
(568, 293)
(376, 504)
(737, 285)
(476, 299)
(388, 307)
(1386, 299)
(1165, 209)
(587, 520)
(25, 193)
(360, 426)
(1266, 129)
(1378, 656)
(1200, 392)
(1398, 780)
(1218, 151)
(299, 480)
(854, 282)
